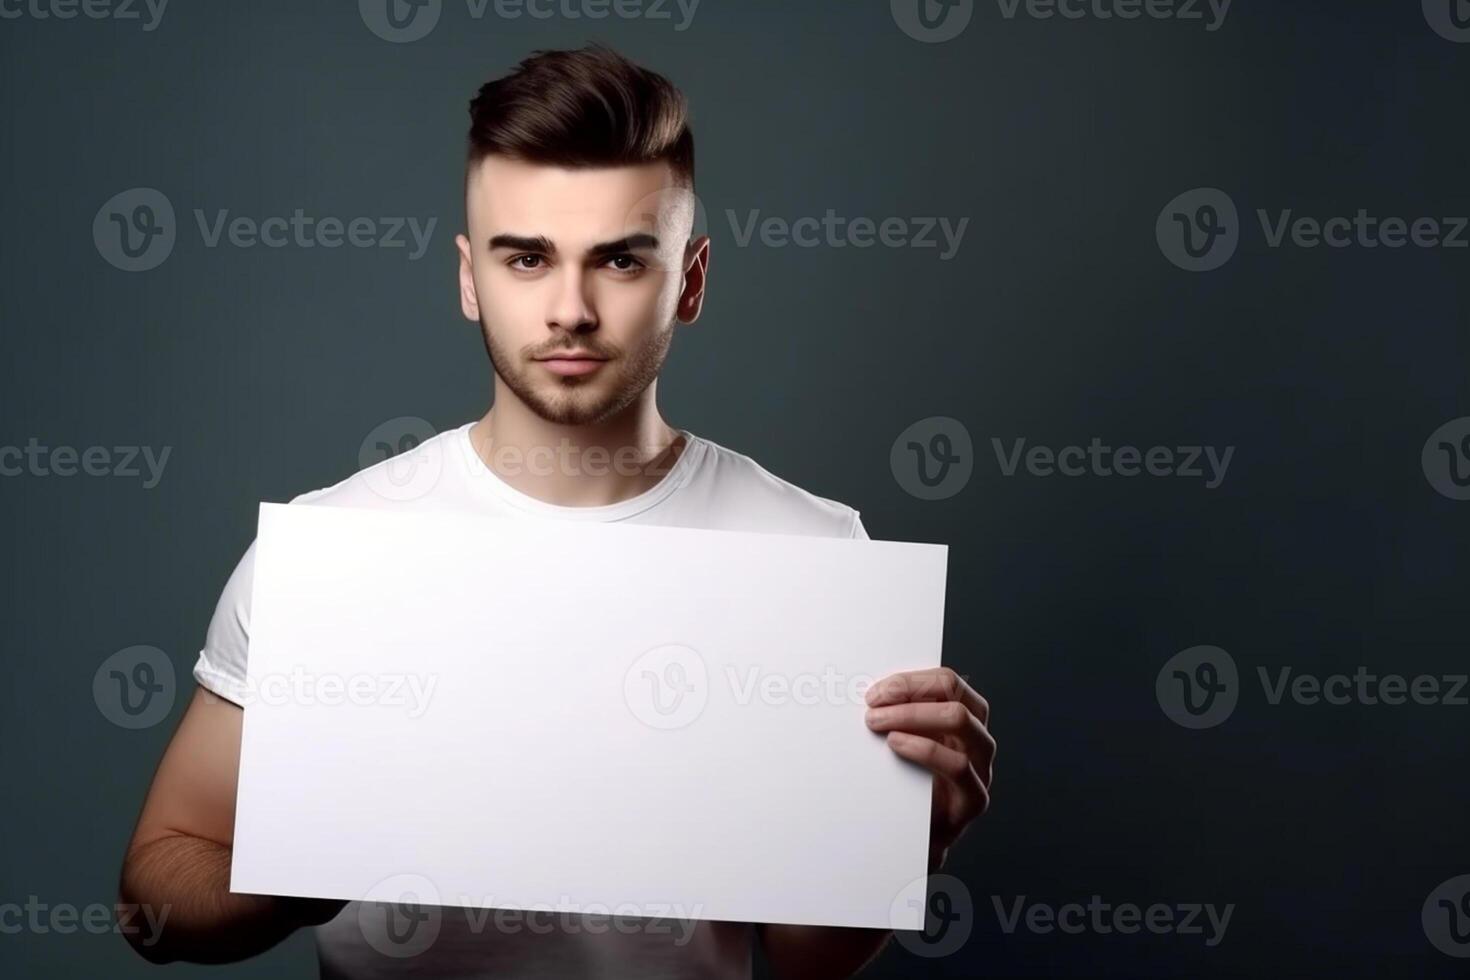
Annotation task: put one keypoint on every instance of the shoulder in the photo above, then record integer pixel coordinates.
(747, 496)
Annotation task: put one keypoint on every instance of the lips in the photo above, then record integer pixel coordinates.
(571, 355)
(572, 363)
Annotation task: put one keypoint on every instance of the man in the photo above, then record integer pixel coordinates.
(577, 264)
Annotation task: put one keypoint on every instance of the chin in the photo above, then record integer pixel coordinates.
(575, 404)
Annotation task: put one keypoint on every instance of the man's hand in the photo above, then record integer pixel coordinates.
(934, 718)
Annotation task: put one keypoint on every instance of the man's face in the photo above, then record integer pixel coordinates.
(594, 265)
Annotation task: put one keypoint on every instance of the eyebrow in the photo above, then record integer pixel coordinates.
(544, 245)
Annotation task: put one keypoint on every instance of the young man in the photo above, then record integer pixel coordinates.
(577, 265)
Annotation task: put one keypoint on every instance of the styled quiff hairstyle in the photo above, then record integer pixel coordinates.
(586, 108)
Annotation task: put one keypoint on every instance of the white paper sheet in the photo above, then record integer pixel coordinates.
(581, 716)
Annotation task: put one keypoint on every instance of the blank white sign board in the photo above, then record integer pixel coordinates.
(574, 715)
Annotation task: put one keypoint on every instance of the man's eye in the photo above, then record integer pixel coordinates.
(520, 262)
(625, 263)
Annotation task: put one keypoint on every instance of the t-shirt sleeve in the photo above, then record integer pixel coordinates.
(221, 664)
(858, 531)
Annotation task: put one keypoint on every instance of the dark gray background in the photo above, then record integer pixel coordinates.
(1059, 320)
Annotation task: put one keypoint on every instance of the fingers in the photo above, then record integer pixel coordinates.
(937, 719)
(933, 684)
(932, 755)
(967, 789)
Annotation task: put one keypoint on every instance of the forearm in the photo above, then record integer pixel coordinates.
(182, 884)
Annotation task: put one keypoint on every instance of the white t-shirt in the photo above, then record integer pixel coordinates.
(709, 487)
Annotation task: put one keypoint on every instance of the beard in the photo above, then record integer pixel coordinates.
(580, 400)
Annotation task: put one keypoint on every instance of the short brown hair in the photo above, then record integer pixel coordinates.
(586, 108)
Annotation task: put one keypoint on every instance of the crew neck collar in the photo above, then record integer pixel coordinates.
(487, 480)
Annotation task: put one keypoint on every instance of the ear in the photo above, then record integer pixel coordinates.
(696, 275)
(469, 301)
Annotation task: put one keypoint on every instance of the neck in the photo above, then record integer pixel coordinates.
(576, 465)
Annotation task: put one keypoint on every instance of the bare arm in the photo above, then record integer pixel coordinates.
(178, 863)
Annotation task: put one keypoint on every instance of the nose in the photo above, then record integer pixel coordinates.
(571, 308)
